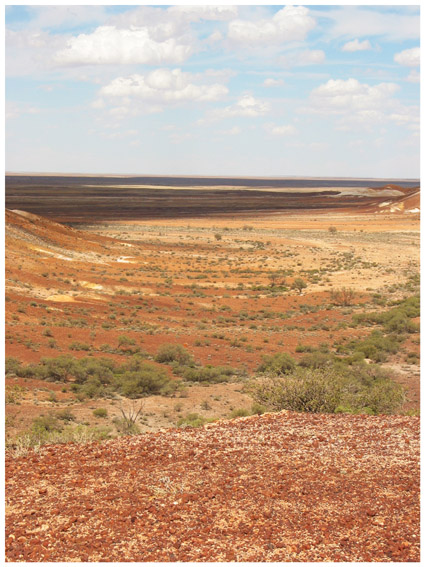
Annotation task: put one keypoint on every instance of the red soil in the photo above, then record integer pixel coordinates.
(280, 487)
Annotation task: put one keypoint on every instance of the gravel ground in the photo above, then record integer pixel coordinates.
(277, 488)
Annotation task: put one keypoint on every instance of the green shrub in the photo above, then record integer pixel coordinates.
(46, 423)
(304, 390)
(147, 379)
(278, 364)
(100, 377)
(123, 340)
(208, 373)
(174, 353)
(258, 409)
(304, 348)
(316, 359)
(192, 420)
(77, 345)
(100, 412)
(65, 415)
(376, 346)
(12, 365)
(361, 388)
(241, 412)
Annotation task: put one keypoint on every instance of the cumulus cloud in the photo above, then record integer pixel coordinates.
(409, 57)
(153, 91)
(356, 45)
(303, 58)
(247, 105)
(110, 45)
(362, 105)
(291, 23)
(339, 95)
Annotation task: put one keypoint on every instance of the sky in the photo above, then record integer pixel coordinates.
(243, 90)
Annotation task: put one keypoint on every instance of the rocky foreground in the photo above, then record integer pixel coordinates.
(279, 487)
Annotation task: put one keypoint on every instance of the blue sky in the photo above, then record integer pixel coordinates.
(213, 90)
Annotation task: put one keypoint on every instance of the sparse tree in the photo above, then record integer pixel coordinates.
(299, 284)
(344, 296)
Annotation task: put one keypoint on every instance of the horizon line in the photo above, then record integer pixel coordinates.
(201, 176)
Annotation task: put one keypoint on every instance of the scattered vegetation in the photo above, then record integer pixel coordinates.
(359, 389)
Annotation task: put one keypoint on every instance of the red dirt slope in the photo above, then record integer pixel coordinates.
(26, 229)
(280, 487)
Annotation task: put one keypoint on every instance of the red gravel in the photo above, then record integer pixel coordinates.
(280, 487)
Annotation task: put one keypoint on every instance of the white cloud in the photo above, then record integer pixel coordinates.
(303, 58)
(414, 76)
(273, 82)
(198, 12)
(356, 45)
(69, 16)
(291, 23)
(247, 105)
(152, 91)
(408, 116)
(340, 96)
(29, 52)
(15, 109)
(409, 57)
(283, 130)
(364, 21)
(110, 45)
(359, 105)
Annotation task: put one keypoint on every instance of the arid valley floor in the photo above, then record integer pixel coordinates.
(231, 276)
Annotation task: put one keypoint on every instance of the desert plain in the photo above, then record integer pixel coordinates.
(225, 272)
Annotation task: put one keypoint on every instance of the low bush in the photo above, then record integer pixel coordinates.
(208, 373)
(65, 415)
(168, 353)
(376, 346)
(100, 412)
(316, 359)
(12, 365)
(361, 388)
(241, 412)
(193, 420)
(277, 364)
(146, 379)
(39, 435)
